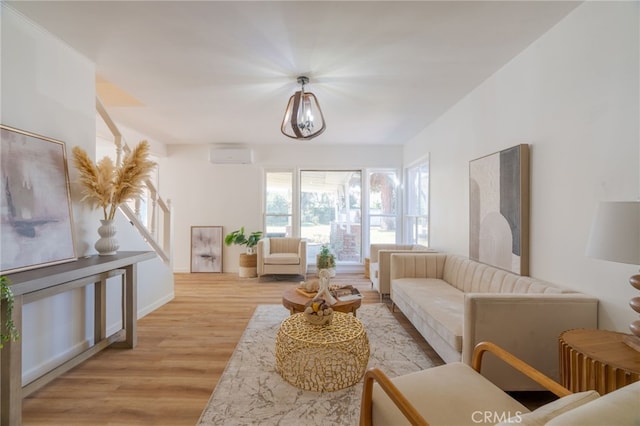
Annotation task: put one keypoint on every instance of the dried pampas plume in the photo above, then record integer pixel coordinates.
(108, 186)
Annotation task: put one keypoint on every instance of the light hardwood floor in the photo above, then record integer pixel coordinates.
(182, 350)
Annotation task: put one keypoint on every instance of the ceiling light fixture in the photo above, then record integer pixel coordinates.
(303, 118)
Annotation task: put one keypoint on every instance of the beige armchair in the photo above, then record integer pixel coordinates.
(282, 256)
(456, 394)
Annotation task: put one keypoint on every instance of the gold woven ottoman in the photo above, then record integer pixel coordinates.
(322, 358)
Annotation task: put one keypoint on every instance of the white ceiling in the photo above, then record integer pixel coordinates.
(222, 72)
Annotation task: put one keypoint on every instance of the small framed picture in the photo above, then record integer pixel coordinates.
(206, 248)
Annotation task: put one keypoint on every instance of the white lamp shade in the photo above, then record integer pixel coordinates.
(615, 232)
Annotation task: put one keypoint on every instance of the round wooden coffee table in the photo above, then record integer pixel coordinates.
(295, 301)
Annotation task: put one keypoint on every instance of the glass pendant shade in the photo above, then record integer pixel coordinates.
(303, 118)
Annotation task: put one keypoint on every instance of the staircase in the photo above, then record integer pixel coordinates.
(151, 215)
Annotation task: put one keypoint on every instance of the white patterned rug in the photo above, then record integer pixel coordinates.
(251, 392)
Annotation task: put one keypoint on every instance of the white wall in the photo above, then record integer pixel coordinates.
(573, 96)
(205, 194)
(49, 89)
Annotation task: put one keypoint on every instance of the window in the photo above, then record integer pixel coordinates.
(330, 213)
(417, 218)
(279, 204)
(383, 206)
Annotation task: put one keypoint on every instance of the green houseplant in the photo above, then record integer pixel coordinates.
(326, 260)
(238, 237)
(8, 330)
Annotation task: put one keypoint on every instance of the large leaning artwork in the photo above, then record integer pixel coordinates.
(206, 248)
(499, 209)
(36, 224)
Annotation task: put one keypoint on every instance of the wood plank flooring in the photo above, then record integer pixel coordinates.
(183, 348)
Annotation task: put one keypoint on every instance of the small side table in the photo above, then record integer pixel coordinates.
(597, 360)
(322, 357)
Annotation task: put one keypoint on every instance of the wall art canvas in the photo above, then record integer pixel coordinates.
(206, 248)
(36, 223)
(499, 209)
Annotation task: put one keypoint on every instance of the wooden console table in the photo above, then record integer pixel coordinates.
(36, 284)
(597, 360)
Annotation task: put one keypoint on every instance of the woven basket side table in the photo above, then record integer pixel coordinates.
(322, 358)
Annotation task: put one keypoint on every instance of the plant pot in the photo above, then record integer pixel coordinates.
(248, 265)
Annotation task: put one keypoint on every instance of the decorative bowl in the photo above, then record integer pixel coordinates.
(319, 320)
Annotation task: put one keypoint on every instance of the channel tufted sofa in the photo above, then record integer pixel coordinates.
(455, 303)
(380, 261)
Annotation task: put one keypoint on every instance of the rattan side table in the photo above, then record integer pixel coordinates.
(322, 358)
(597, 360)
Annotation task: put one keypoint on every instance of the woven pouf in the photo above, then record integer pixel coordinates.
(322, 357)
(248, 265)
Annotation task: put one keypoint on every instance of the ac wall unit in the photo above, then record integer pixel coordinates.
(230, 156)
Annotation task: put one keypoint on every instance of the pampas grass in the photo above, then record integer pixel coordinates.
(107, 186)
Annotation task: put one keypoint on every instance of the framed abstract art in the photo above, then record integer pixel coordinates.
(36, 222)
(206, 248)
(499, 209)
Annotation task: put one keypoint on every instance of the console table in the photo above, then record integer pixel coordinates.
(597, 360)
(36, 284)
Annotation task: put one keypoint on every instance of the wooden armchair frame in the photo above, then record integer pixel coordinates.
(410, 412)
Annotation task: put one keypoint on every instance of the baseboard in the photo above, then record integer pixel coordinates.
(43, 368)
(155, 305)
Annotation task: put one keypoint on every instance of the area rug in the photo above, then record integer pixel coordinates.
(251, 392)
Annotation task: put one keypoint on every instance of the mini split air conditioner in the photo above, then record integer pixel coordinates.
(230, 156)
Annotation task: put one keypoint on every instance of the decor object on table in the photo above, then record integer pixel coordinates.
(499, 209)
(107, 186)
(8, 330)
(326, 260)
(324, 291)
(615, 236)
(206, 249)
(303, 117)
(36, 221)
(318, 311)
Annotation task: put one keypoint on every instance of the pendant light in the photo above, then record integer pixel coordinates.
(303, 118)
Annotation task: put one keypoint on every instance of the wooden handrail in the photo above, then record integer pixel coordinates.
(410, 412)
(518, 364)
(403, 404)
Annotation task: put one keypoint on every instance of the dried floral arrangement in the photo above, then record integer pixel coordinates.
(107, 185)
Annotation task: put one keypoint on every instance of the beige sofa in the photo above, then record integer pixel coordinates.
(456, 303)
(380, 260)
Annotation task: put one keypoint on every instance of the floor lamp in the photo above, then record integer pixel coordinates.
(615, 236)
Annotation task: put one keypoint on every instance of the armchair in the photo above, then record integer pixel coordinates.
(458, 394)
(282, 255)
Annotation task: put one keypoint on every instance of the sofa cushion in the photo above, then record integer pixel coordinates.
(282, 259)
(451, 394)
(544, 414)
(619, 407)
(442, 305)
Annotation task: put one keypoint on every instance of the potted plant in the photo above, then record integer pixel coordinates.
(238, 237)
(107, 185)
(8, 331)
(248, 260)
(326, 260)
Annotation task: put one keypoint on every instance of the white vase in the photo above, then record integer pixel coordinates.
(107, 244)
